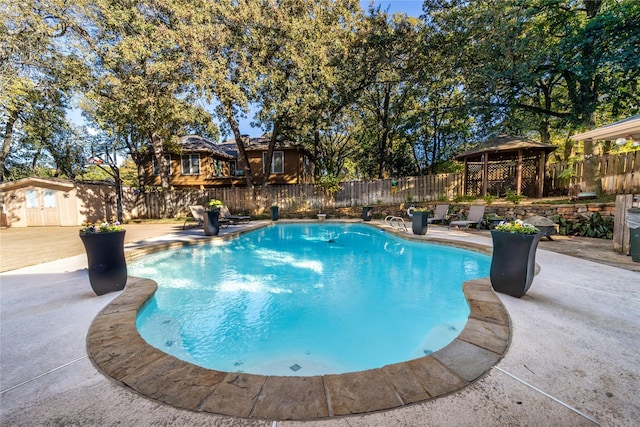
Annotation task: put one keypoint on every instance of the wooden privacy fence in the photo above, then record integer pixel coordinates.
(305, 197)
(618, 173)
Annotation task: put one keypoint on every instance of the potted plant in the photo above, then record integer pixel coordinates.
(419, 221)
(367, 213)
(211, 224)
(492, 220)
(104, 244)
(514, 257)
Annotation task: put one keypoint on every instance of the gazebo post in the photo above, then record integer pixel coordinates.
(519, 173)
(485, 173)
(464, 178)
(541, 173)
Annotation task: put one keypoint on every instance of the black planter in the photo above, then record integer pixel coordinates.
(274, 213)
(513, 262)
(105, 258)
(419, 222)
(366, 213)
(211, 224)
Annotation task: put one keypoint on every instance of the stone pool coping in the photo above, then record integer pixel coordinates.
(116, 348)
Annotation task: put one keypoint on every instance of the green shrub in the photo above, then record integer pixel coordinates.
(488, 199)
(464, 198)
(513, 197)
(595, 226)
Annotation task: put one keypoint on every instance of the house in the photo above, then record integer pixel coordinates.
(39, 202)
(204, 164)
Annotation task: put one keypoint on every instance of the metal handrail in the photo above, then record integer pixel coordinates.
(395, 222)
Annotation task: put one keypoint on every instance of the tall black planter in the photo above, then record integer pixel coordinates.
(513, 262)
(105, 258)
(366, 213)
(211, 225)
(419, 222)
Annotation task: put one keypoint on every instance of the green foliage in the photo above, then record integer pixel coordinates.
(512, 197)
(464, 198)
(95, 173)
(595, 225)
(330, 184)
(567, 173)
(488, 199)
(383, 96)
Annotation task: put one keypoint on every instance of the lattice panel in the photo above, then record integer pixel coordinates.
(529, 177)
(502, 176)
(474, 179)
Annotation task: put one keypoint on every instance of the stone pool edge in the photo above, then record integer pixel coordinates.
(115, 347)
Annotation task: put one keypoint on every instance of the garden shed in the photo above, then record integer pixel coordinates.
(506, 163)
(38, 202)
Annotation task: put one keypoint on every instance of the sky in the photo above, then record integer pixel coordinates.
(410, 7)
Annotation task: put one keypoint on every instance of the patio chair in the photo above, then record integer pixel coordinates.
(476, 213)
(197, 213)
(233, 219)
(440, 214)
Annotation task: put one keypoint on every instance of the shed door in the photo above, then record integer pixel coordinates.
(42, 207)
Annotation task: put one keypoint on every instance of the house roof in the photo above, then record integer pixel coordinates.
(628, 128)
(260, 143)
(504, 143)
(196, 143)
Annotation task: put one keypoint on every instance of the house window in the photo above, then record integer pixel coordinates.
(218, 167)
(277, 162)
(156, 167)
(232, 167)
(190, 164)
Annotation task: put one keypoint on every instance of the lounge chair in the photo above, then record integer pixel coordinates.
(476, 213)
(197, 212)
(440, 214)
(233, 219)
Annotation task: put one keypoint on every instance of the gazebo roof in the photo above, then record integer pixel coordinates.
(505, 143)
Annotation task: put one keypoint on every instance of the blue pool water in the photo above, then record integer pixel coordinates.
(306, 299)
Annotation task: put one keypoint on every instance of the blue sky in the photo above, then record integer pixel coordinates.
(410, 7)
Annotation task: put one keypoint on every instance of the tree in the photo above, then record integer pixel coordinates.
(143, 85)
(38, 74)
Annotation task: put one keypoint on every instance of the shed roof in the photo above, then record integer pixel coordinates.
(504, 143)
(52, 183)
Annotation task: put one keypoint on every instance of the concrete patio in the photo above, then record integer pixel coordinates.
(574, 357)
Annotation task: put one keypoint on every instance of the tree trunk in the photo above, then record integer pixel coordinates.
(6, 143)
(269, 160)
(158, 153)
(118, 185)
(384, 125)
(233, 123)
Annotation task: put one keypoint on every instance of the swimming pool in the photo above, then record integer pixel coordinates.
(306, 299)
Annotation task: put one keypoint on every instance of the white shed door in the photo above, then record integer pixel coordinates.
(42, 207)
